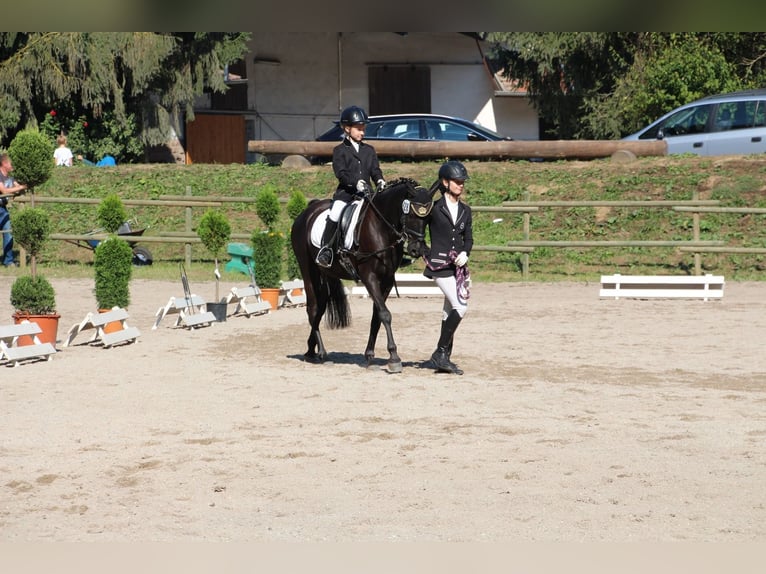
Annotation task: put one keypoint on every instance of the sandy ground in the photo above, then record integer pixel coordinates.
(577, 419)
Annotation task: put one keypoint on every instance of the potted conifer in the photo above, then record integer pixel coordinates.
(268, 246)
(214, 230)
(295, 206)
(32, 296)
(112, 260)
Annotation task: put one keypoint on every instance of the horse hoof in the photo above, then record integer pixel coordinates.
(395, 367)
(372, 367)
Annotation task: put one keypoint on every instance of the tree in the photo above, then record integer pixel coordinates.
(152, 77)
(607, 84)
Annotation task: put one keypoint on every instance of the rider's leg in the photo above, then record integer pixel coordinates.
(452, 314)
(324, 257)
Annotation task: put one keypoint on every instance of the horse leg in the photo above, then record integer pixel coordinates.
(394, 362)
(369, 352)
(381, 315)
(316, 348)
(316, 304)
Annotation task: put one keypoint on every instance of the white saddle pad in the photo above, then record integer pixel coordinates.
(319, 223)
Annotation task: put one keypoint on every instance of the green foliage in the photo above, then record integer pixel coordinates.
(675, 75)
(113, 264)
(32, 156)
(214, 230)
(268, 247)
(604, 85)
(31, 229)
(267, 206)
(115, 71)
(94, 136)
(33, 295)
(296, 204)
(111, 213)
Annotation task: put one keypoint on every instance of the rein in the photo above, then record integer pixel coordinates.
(401, 236)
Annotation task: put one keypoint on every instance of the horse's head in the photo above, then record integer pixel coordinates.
(416, 209)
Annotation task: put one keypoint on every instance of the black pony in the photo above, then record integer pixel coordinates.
(387, 219)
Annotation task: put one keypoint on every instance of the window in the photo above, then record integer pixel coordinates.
(235, 97)
(403, 129)
(687, 121)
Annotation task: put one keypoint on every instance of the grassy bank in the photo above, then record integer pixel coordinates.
(734, 181)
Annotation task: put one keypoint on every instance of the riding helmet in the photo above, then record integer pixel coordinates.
(453, 170)
(353, 115)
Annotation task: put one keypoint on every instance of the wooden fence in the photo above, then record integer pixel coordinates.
(694, 207)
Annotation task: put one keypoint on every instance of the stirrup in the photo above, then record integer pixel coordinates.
(324, 257)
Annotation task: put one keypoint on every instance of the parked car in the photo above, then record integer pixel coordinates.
(733, 123)
(426, 127)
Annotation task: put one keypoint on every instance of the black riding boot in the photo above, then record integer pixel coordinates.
(458, 370)
(440, 356)
(324, 257)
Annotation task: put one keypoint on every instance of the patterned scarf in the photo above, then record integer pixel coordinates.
(462, 275)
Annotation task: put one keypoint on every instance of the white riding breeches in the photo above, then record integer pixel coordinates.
(336, 209)
(448, 286)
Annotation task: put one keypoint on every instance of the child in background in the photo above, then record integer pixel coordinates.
(62, 155)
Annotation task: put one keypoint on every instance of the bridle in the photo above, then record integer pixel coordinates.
(421, 210)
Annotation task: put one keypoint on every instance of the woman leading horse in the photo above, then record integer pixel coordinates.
(386, 221)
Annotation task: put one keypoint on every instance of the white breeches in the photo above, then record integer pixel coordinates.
(448, 286)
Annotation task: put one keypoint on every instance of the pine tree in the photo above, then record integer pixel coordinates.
(153, 76)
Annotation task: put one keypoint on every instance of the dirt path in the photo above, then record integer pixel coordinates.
(576, 419)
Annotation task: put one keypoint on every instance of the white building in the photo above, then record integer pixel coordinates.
(293, 85)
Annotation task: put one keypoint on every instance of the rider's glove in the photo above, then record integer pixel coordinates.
(381, 184)
(461, 259)
(361, 186)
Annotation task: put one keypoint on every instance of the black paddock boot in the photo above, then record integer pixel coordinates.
(324, 257)
(440, 356)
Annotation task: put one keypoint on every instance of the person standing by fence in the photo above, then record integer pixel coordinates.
(451, 230)
(8, 188)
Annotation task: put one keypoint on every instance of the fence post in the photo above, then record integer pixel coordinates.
(188, 229)
(696, 235)
(525, 256)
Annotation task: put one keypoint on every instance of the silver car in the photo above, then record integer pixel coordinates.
(726, 124)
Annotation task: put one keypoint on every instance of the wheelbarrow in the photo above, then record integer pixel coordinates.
(141, 255)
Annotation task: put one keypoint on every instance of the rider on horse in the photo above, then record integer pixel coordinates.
(355, 163)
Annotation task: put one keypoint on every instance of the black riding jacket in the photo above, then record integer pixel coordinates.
(446, 237)
(350, 166)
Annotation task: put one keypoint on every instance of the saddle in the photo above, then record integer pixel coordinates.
(347, 223)
(346, 238)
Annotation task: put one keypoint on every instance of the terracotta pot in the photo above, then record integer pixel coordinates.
(49, 324)
(112, 326)
(272, 296)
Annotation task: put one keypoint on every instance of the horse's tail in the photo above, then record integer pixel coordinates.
(338, 314)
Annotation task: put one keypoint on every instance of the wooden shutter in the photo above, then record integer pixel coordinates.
(399, 89)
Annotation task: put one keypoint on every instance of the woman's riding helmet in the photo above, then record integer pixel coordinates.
(453, 170)
(353, 115)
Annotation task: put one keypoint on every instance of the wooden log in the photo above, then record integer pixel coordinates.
(544, 149)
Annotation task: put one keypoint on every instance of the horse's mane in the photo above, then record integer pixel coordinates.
(402, 180)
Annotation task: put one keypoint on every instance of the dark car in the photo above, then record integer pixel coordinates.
(419, 127)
